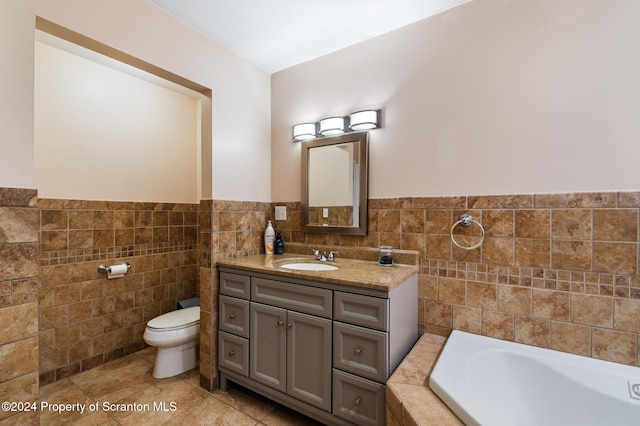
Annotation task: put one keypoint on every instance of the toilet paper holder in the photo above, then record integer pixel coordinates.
(102, 269)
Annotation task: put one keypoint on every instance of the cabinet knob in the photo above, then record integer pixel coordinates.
(289, 325)
(232, 316)
(358, 350)
(232, 352)
(280, 322)
(357, 401)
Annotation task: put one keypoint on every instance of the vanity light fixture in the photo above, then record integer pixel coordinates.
(364, 120)
(355, 122)
(304, 131)
(332, 126)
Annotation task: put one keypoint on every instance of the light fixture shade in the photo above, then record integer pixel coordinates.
(364, 120)
(332, 126)
(304, 131)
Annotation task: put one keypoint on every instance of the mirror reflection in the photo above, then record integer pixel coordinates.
(335, 184)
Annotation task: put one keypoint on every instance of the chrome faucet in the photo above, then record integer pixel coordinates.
(323, 257)
(320, 255)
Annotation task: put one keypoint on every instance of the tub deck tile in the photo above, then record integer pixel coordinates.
(409, 399)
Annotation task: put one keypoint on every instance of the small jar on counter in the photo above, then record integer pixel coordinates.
(385, 258)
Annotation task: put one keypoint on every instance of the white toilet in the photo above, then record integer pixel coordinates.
(176, 335)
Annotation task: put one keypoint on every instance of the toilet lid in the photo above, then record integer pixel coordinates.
(176, 319)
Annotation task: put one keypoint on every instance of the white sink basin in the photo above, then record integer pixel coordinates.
(309, 267)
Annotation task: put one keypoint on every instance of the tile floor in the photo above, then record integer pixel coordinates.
(123, 392)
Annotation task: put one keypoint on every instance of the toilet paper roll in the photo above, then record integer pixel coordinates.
(117, 271)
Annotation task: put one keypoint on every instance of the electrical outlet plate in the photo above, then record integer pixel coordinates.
(281, 212)
(325, 212)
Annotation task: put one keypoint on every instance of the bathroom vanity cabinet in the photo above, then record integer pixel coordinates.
(321, 348)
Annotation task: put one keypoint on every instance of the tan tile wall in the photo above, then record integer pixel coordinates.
(557, 271)
(86, 319)
(227, 229)
(337, 216)
(19, 272)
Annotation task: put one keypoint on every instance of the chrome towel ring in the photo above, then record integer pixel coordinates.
(466, 220)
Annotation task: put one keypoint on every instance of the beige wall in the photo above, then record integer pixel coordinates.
(335, 188)
(16, 87)
(492, 97)
(240, 91)
(104, 134)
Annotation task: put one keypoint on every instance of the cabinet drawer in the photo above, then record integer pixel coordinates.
(358, 400)
(300, 298)
(233, 353)
(361, 351)
(235, 285)
(367, 311)
(234, 316)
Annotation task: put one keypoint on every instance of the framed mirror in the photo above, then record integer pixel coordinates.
(335, 184)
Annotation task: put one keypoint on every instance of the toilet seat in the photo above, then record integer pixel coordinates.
(175, 320)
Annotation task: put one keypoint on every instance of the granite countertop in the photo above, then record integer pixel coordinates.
(410, 401)
(359, 273)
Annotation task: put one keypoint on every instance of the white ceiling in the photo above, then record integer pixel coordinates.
(277, 34)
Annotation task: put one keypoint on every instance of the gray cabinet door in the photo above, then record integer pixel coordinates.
(268, 346)
(309, 359)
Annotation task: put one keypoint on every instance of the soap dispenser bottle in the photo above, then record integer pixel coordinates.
(269, 237)
(278, 244)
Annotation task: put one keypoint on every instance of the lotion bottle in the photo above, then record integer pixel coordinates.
(269, 236)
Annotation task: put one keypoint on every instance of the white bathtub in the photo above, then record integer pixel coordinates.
(487, 381)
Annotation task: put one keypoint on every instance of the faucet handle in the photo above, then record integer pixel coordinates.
(331, 257)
